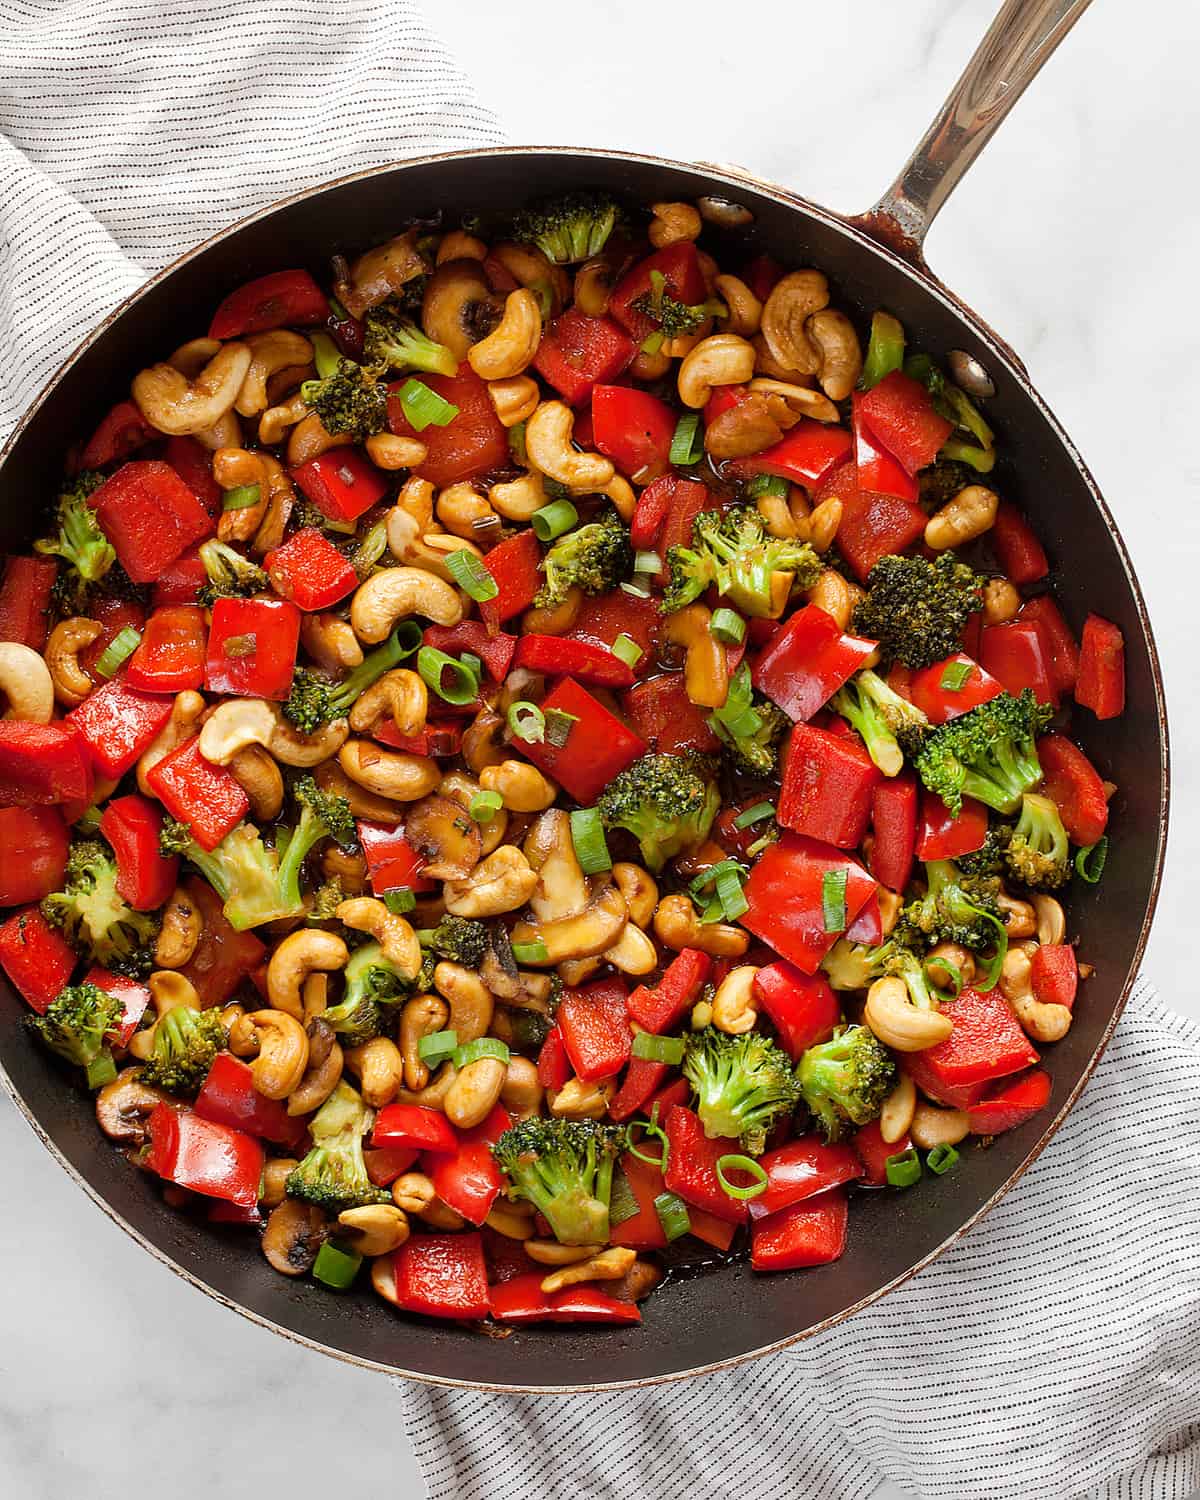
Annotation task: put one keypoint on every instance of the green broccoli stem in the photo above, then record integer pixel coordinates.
(855, 704)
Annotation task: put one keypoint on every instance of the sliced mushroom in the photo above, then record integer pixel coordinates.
(123, 1105)
(498, 969)
(447, 838)
(375, 276)
(593, 930)
(562, 887)
(295, 1232)
(458, 308)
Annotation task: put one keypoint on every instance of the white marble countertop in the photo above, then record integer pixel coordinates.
(1063, 237)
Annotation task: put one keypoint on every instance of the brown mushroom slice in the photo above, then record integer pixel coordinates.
(447, 839)
(591, 931)
(458, 308)
(123, 1106)
(562, 888)
(498, 970)
(375, 276)
(295, 1232)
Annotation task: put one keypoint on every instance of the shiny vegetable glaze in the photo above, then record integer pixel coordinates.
(543, 761)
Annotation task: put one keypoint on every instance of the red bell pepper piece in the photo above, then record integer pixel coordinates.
(474, 442)
(1054, 974)
(1101, 684)
(810, 1233)
(386, 1163)
(875, 468)
(1020, 555)
(309, 570)
(688, 499)
(121, 431)
(1008, 1104)
(692, 1166)
(514, 565)
(171, 655)
(35, 844)
(347, 333)
(438, 738)
(806, 454)
(651, 511)
(284, 299)
(442, 1276)
(873, 1151)
(901, 414)
(181, 582)
(677, 1092)
(196, 792)
(494, 651)
(867, 927)
(342, 483)
(145, 878)
(602, 618)
(595, 1028)
(802, 1007)
(228, 1097)
(252, 647)
(43, 763)
(413, 1125)
(644, 1231)
(150, 516)
(392, 862)
(578, 353)
(204, 1157)
(807, 660)
(634, 429)
(785, 892)
(1059, 640)
(943, 836)
(761, 275)
(642, 1078)
(707, 1227)
(25, 600)
(223, 957)
(520, 1299)
(467, 1178)
(559, 656)
(118, 723)
(192, 461)
(894, 824)
(802, 1169)
(1018, 657)
(1074, 786)
(35, 956)
(134, 998)
(828, 782)
(554, 1068)
(939, 703)
(683, 279)
(987, 1043)
(660, 710)
(661, 1008)
(598, 746)
(872, 525)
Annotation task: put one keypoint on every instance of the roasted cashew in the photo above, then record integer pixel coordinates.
(413, 1192)
(295, 958)
(529, 267)
(898, 1107)
(785, 315)
(577, 1100)
(820, 526)
(474, 1092)
(393, 934)
(511, 345)
(363, 804)
(548, 443)
(582, 935)
(1019, 917)
(706, 670)
(269, 353)
(172, 403)
(514, 399)
(521, 1092)
(1051, 924)
(677, 925)
(1001, 601)
(633, 952)
(734, 1010)
(400, 695)
(833, 336)
(458, 306)
(291, 748)
(422, 1016)
(234, 468)
(470, 1001)
(900, 1024)
(673, 222)
(593, 287)
(551, 1253)
(185, 713)
(330, 642)
(720, 359)
(375, 1229)
(931, 1126)
(1041, 1021)
(70, 684)
(608, 1265)
(322, 1075)
(961, 520)
(744, 429)
(518, 499)
(309, 438)
(411, 529)
(510, 1220)
(394, 594)
(744, 309)
(433, 1095)
(463, 511)
(276, 420)
(639, 890)
(390, 451)
(380, 1070)
(522, 786)
(261, 780)
(556, 619)
(274, 1180)
(282, 1052)
(620, 492)
(393, 774)
(179, 931)
(800, 400)
(233, 725)
(836, 596)
(501, 882)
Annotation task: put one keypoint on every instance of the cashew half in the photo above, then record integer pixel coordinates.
(282, 1052)
(720, 359)
(470, 1001)
(179, 932)
(269, 353)
(330, 642)
(261, 780)
(380, 1070)
(375, 1229)
(898, 1023)
(1041, 1021)
(422, 1016)
(511, 345)
(522, 786)
(931, 1126)
(393, 934)
(70, 683)
(172, 403)
(792, 301)
(734, 1010)
(548, 443)
(677, 925)
(394, 774)
(394, 594)
(501, 882)
(474, 1092)
(832, 333)
(400, 695)
(898, 1109)
(233, 725)
(706, 669)
(292, 748)
(296, 957)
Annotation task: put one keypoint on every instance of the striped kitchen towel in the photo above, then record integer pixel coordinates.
(1052, 1353)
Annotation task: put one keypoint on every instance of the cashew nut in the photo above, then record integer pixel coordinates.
(390, 451)
(582, 935)
(501, 882)
(608, 1265)
(673, 222)
(292, 748)
(415, 1194)
(1041, 1021)
(551, 1253)
(900, 1024)
(233, 725)
(400, 695)
(70, 684)
(393, 594)
(393, 934)
(1001, 601)
(745, 310)
(562, 888)
(821, 526)
(511, 345)
(799, 400)
(548, 443)
(324, 1071)
(282, 1051)
(514, 399)
(1051, 925)
(1020, 919)
(706, 670)
(521, 1092)
(633, 952)
(330, 642)
(677, 925)
(269, 353)
(296, 957)
(522, 786)
(577, 1100)
(836, 596)
(474, 1092)
(898, 1108)
(363, 804)
(459, 245)
(961, 520)
(185, 712)
(276, 420)
(786, 312)
(172, 403)
(179, 932)
(720, 359)
(274, 1180)
(733, 1006)
(555, 619)
(380, 1070)
(309, 438)
(394, 774)
(261, 780)
(518, 499)
(832, 333)
(464, 512)
(470, 1001)
(433, 1095)
(374, 1229)
(422, 1015)
(511, 1220)
(931, 1126)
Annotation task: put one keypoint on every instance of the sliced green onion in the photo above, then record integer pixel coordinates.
(730, 894)
(527, 721)
(766, 484)
(632, 588)
(336, 1267)
(1090, 862)
(553, 520)
(531, 953)
(469, 572)
(647, 562)
(735, 1163)
(119, 649)
(833, 900)
(652, 1128)
(663, 1049)
(706, 878)
(672, 1215)
(622, 1204)
(101, 1070)
(405, 639)
(485, 805)
(241, 497)
(740, 724)
(626, 649)
(482, 1046)
(326, 355)
(955, 674)
(885, 350)
(433, 665)
(558, 726)
(755, 814)
(424, 407)
(653, 342)
(400, 900)
(944, 965)
(587, 834)
(516, 443)
(340, 315)
(687, 445)
(941, 1159)
(89, 820)
(903, 1169)
(436, 1048)
(728, 626)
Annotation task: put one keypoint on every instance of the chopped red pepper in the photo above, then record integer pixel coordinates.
(602, 618)
(1060, 641)
(811, 1233)
(634, 429)
(941, 835)
(901, 414)
(514, 565)
(467, 1179)
(1054, 974)
(181, 582)
(661, 1008)
(414, 1125)
(642, 1079)
(192, 461)
(660, 710)
(677, 1092)
(520, 1299)
(644, 1230)
(894, 824)
(807, 454)
(145, 878)
(786, 889)
(940, 703)
(1020, 555)
(1074, 786)
(554, 1068)
(802, 1169)
(1101, 684)
(386, 1163)
(692, 1166)
(342, 484)
(170, 657)
(595, 1028)
(867, 927)
(392, 862)
(150, 516)
(987, 1043)
(252, 646)
(802, 1007)
(807, 660)
(43, 763)
(35, 956)
(651, 511)
(1010, 1103)
(442, 1276)
(1018, 656)
(310, 570)
(577, 353)
(439, 738)
(872, 525)
(474, 442)
(828, 783)
(761, 275)
(25, 600)
(35, 844)
(223, 956)
(121, 431)
(875, 468)
(228, 1097)
(688, 499)
(873, 1151)
(598, 746)
(284, 299)
(199, 793)
(707, 1227)
(494, 651)
(558, 656)
(683, 280)
(204, 1157)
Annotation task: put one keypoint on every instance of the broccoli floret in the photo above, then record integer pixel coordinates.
(174, 837)
(372, 983)
(326, 900)
(942, 481)
(735, 552)
(1038, 853)
(75, 1024)
(185, 1043)
(754, 750)
(230, 575)
(665, 802)
(984, 865)
(95, 918)
(365, 553)
(917, 609)
(460, 939)
(594, 558)
(673, 317)
(957, 909)
(844, 1081)
(891, 726)
(350, 400)
(333, 1175)
(80, 543)
(745, 1085)
(568, 229)
(972, 441)
(314, 701)
(854, 966)
(989, 753)
(564, 1168)
(391, 339)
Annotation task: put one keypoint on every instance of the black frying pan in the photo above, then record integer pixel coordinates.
(696, 1323)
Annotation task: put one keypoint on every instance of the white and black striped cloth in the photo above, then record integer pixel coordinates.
(1056, 1351)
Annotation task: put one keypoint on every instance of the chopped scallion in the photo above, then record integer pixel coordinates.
(941, 1159)
(954, 675)
(766, 484)
(652, 1128)
(558, 726)
(647, 562)
(527, 722)
(399, 901)
(424, 407)
(903, 1169)
(833, 900)
(626, 649)
(469, 572)
(672, 1215)
(734, 1162)
(1090, 862)
(336, 1267)
(632, 588)
(587, 834)
(553, 520)
(687, 444)
(531, 953)
(482, 1046)
(119, 649)
(434, 667)
(756, 814)
(730, 894)
(485, 805)
(433, 1050)
(516, 443)
(728, 626)
(622, 1204)
(101, 1070)
(662, 1049)
(241, 497)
